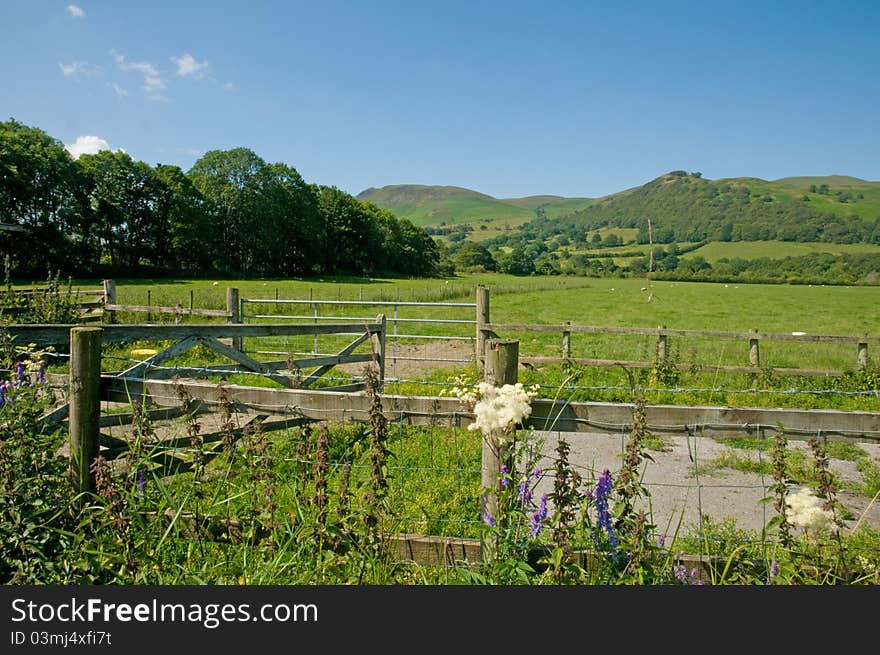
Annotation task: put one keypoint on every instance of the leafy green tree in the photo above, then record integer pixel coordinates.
(189, 244)
(472, 255)
(353, 238)
(123, 197)
(516, 262)
(297, 223)
(38, 194)
(242, 196)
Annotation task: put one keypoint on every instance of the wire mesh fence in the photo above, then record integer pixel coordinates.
(707, 485)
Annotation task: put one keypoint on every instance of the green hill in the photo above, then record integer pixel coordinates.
(438, 205)
(446, 210)
(552, 206)
(682, 207)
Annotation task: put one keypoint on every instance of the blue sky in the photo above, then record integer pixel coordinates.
(507, 98)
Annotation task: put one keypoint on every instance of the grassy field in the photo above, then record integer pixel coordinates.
(268, 485)
(552, 300)
(783, 309)
(716, 250)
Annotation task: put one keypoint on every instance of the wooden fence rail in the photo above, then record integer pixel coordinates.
(486, 329)
(89, 387)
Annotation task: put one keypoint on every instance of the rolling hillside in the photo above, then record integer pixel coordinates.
(435, 206)
(682, 206)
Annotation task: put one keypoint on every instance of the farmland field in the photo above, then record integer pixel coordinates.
(716, 250)
(770, 309)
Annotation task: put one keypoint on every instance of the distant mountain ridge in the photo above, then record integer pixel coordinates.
(432, 205)
(685, 204)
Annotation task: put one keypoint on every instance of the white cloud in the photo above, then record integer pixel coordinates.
(153, 81)
(189, 65)
(119, 90)
(75, 69)
(228, 86)
(76, 12)
(88, 145)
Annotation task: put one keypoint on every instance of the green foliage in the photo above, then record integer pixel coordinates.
(105, 213)
(36, 530)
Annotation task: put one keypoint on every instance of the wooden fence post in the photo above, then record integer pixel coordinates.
(754, 352)
(862, 355)
(661, 345)
(85, 406)
(502, 361)
(110, 299)
(381, 339)
(482, 320)
(234, 309)
(566, 342)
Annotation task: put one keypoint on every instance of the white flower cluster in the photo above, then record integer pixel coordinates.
(806, 512)
(500, 409)
(463, 390)
(497, 410)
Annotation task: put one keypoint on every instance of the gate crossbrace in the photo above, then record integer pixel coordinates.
(342, 353)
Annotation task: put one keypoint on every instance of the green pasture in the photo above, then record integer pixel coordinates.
(716, 250)
(460, 209)
(554, 301)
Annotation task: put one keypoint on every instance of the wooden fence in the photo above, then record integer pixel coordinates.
(751, 341)
(89, 303)
(102, 305)
(281, 408)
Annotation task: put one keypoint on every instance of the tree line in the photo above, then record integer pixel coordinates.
(231, 213)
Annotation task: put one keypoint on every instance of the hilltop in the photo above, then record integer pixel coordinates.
(451, 209)
(685, 207)
(682, 207)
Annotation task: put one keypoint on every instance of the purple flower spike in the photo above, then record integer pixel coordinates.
(489, 519)
(538, 518)
(19, 370)
(141, 482)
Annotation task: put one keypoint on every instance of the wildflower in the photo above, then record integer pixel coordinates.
(524, 494)
(505, 476)
(604, 519)
(4, 390)
(603, 491)
(141, 482)
(489, 519)
(680, 573)
(19, 371)
(538, 518)
(805, 511)
(499, 409)
(661, 540)
(774, 569)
